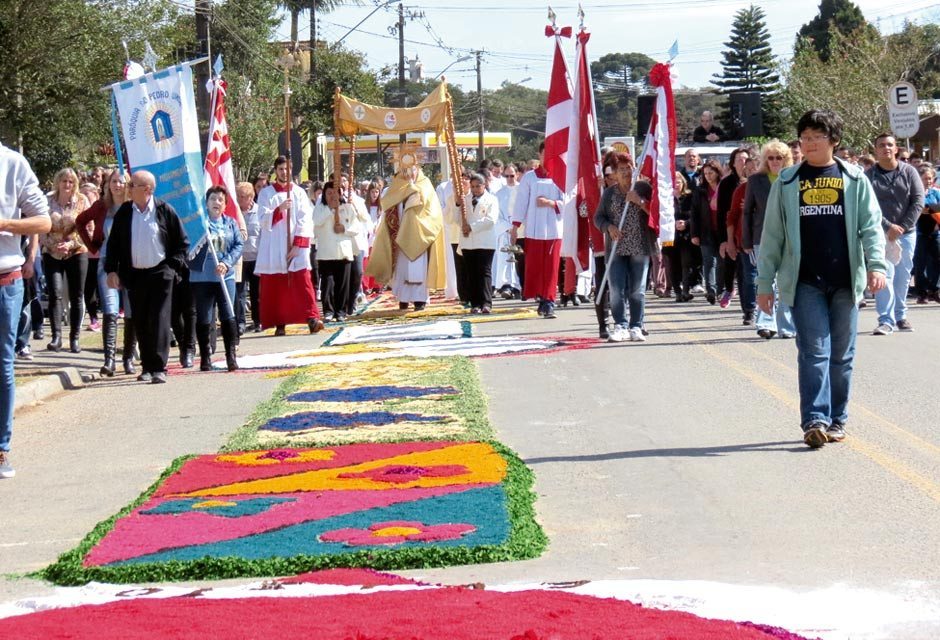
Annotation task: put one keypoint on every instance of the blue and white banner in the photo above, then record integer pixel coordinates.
(161, 135)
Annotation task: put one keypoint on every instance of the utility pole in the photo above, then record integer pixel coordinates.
(480, 151)
(203, 9)
(401, 61)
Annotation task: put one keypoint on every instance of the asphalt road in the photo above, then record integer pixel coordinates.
(678, 460)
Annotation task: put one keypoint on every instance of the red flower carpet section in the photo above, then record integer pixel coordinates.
(458, 614)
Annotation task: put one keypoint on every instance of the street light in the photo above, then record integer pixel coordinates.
(457, 61)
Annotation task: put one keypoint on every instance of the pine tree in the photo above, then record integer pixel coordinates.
(842, 15)
(748, 65)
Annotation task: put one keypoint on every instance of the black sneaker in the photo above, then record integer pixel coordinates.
(814, 435)
(711, 298)
(835, 432)
(905, 325)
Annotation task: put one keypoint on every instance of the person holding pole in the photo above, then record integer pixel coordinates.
(212, 279)
(283, 262)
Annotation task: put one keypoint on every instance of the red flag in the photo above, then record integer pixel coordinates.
(218, 167)
(582, 185)
(658, 153)
(559, 112)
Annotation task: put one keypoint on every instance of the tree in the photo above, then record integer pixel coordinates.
(843, 16)
(618, 79)
(748, 65)
(854, 80)
(56, 55)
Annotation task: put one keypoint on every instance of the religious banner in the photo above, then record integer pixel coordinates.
(352, 116)
(161, 135)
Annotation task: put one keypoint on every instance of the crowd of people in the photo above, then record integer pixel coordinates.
(100, 244)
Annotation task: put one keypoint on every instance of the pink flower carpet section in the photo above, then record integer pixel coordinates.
(135, 535)
(401, 474)
(350, 577)
(376, 533)
(207, 471)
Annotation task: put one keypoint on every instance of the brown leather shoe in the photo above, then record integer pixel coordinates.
(315, 325)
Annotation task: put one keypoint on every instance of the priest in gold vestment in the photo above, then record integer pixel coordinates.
(408, 251)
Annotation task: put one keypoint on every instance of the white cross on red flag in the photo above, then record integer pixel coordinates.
(218, 167)
(558, 118)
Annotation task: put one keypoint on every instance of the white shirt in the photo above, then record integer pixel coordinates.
(482, 220)
(272, 243)
(332, 245)
(20, 197)
(541, 223)
(147, 250)
(253, 225)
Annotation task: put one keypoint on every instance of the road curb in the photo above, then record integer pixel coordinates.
(44, 387)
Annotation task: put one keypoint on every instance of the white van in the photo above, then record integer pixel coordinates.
(720, 152)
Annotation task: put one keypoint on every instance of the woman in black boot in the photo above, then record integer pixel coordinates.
(64, 256)
(100, 217)
(211, 269)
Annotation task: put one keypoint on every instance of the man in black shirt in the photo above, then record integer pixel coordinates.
(708, 131)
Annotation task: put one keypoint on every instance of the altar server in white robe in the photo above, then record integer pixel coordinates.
(539, 205)
(283, 263)
(505, 278)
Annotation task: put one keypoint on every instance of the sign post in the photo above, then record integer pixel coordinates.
(902, 110)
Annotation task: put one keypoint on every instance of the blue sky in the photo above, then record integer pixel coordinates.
(511, 34)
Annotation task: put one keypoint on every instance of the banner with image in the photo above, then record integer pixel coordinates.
(161, 135)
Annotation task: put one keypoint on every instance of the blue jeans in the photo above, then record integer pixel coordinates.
(782, 319)
(891, 302)
(927, 263)
(11, 302)
(111, 298)
(747, 282)
(709, 266)
(826, 323)
(209, 296)
(628, 284)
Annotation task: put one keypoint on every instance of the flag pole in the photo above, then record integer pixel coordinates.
(215, 81)
(287, 61)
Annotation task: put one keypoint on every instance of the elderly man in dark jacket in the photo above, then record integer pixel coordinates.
(146, 250)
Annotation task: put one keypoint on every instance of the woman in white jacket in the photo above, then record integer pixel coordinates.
(477, 243)
(336, 225)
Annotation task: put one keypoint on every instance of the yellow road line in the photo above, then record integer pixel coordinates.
(912, 437)
(867, 449)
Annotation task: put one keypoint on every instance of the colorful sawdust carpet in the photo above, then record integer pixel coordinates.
(334, 506)
(440, 330)
(482, 346)
(307, 420)
(458, 614)
(432, 398)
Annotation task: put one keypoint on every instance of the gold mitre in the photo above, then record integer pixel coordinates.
(406, 156)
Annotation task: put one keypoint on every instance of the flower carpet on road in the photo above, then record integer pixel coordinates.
(388, 609)
(382, 401)
(431, 348)
(266, 512)
(301, 486)
(440, 330)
